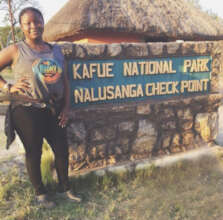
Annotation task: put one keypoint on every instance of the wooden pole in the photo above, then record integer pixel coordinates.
(11, 21)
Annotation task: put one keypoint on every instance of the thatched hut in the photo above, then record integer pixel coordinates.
(131, 21)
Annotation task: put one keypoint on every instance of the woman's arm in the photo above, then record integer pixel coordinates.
(7, 57)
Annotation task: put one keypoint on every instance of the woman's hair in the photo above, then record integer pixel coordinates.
(29, 9)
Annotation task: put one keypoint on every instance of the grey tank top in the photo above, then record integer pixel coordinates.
(44, 71)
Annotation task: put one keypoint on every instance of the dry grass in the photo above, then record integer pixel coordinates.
(188, 189)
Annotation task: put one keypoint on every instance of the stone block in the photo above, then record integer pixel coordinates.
(200, 48)
(187, 138)
(77, 152)
(172, 47)
(101, 150)
(156, 48)
(166, 125)
(77, 131)
(146, 128)
(67, 49)
(118, 150)
(214, 119)
(127, 126)
(144, 109)
(114, 50)
(206, 125)
(123, 143)
(144, 144)
(185, 114)
(187, 48)
(104, 133)
(97, 135)
(176, 140)
(95, 50)
(137, 50)
(201, 126)
(111, 160)
(186, 125)
(79, 51)
(146, 137)
(168, 113)
(93, 153)
(166, 141)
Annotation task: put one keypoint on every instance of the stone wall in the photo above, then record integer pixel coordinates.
(115, 133)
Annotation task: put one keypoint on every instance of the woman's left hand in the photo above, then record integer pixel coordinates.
(63, 117)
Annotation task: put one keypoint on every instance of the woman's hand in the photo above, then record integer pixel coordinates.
(21, 87)
(63, 117)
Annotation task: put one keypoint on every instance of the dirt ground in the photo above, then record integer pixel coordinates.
(14, 156)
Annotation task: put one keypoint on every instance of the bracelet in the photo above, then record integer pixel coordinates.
(6, 88)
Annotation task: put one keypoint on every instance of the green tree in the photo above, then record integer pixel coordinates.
(11, 8)
(5, 35)
(16, 6)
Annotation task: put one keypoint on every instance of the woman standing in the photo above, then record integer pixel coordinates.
(39, 75)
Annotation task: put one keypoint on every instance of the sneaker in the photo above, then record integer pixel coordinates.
(44, 201)
(68, 195)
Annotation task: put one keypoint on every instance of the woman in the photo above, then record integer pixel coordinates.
(39, 76)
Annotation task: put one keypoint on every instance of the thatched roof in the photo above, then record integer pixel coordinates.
(156, 20)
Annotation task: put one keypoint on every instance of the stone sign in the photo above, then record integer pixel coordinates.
(124, 80)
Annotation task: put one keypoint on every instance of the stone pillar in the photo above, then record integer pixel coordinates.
(114, 133)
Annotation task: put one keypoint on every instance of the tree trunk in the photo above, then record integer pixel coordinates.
(11, 21)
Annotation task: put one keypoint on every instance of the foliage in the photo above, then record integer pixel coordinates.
(47, 163)
(17, 5)
(5, 38)
(11, 8)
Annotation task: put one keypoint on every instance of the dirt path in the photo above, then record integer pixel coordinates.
(14, 157)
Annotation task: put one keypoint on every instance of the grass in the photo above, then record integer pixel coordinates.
(188, 189)
(47, 165)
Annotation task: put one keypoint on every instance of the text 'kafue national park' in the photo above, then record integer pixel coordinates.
(102, 81)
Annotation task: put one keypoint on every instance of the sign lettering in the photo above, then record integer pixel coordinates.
(118, 81)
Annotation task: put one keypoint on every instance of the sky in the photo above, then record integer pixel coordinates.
(50, 7)
(213, 5)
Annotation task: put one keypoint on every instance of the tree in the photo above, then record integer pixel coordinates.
(11, 9)
(5, 35)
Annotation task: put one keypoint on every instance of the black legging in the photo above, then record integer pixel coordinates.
(32, 125)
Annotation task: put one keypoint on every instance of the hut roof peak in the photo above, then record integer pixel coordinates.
(155, 20)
